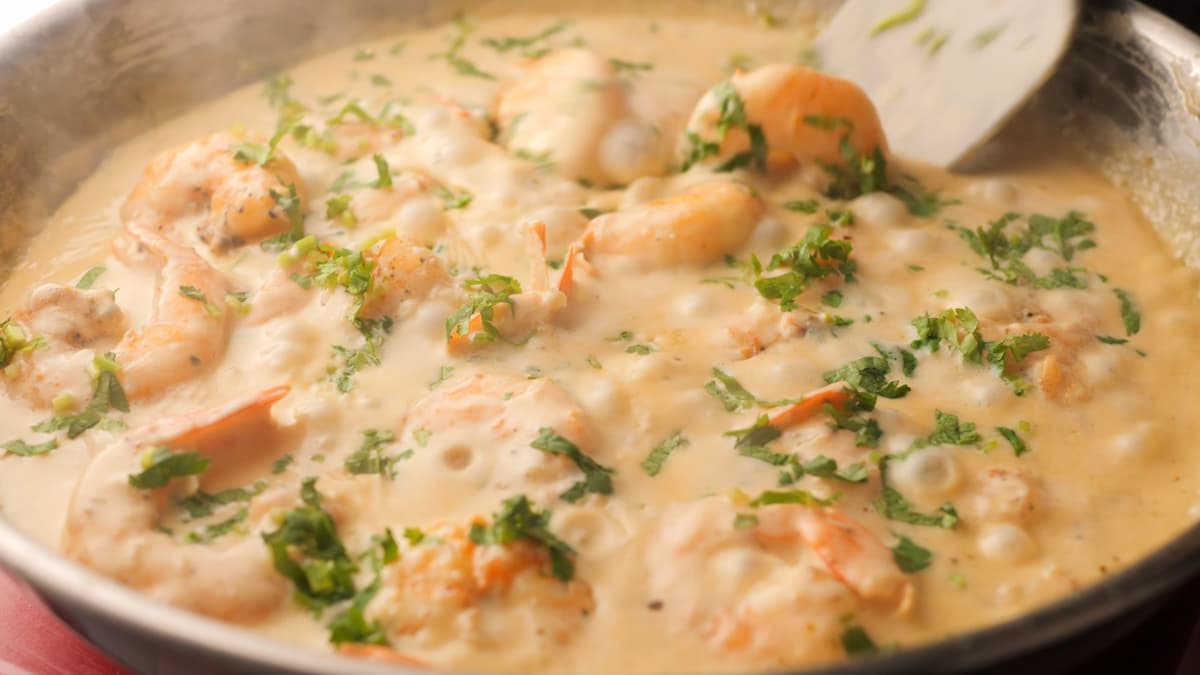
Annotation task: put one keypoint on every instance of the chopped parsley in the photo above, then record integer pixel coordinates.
(1110, 340)
(985, 37)
(857, 174)
(452, 200)
(280, 465)
(24, 449)
(374, 333)
(1018, 444)
(385, 118)
(641, 350)
(517, 520)
(337, 209)
(832, 298)
(369, 457)
(809, 206)
(486, 292)
(218, 529)
(905, 15)
(855, 639)
(824, 467)
(201, 503)
(596, 477)
(894, 506)
(958, 328)
(731, 115)
(89, 278)
(107, 395)
(867, 378)
(13, 341)
(1129, 312)
(290, 203)
(351, 624)
(507, 44)
(653, 463)
(802, 497)
(384, 179)
(1005, 252)
(921, 203)
(248, 152)
(733, 396)
(949, 430)
(911, 557)
(160, 465)
(815, 257)
(452, 56)
(193, 293)
(306, 550)
(752, 441)
(444, 374)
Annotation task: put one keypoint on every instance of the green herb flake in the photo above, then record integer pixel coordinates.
(193, 293)
(89, 278)
(219, 529)
(452, 200)
(1130, 315)
(910, 557)
(486, 293)
(307, 550)
(369, 457)
(815, 257)
(517, 520)
(654, 462)
(21, 448)
(1018, 444)
(160, 465)
(596, 477)
(809, 206)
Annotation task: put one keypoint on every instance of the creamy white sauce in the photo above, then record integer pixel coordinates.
(1109, 476)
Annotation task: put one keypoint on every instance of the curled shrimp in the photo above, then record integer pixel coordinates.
(528, 310)
(695, 227)
(803, 114)
(188, 328)
(446, 588)
(185, 333)
(569, 108)
(66, 321)
(401, 270)
(480, 430)
(113, 527)
(241, 199)
(775, 590)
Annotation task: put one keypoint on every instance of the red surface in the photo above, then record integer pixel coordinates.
(35, 642)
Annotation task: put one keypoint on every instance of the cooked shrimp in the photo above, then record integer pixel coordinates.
(401, 270)
(1006, 495)
(776, 590)
(695, 227)
(242, 199)
(803, 114)
(1052, 369)
(569, 108)
(69, 320)
(185, 333)
(113, 527)
(529, 310)
(480, 430)
(448, 589)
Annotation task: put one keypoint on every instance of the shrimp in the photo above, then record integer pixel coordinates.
(448, 589)
(803, 114)
(775, 591)
(695, 227)
(480, 431)
(1052, 369)
(113, 527)
(184, 334)
(525, 312)
(569, 108)
(67, 320)
(188, 328)
(401, 270)
(243, 200)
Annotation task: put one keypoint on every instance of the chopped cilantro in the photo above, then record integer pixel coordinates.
(384, 179)
(803, 497)
(949, 430)
(1129, 312)
(623, 66)
(201, 503)
(13, 341)
(290, 203)
(802, 206)
(894, 506)
(653, 463)
(596, 477)
(23, 449)
(369, 457)
(518, 519)
(280, 465)
(832, 298)
(306, 550)
(453, 200)
(107, 394)
(641, 350)
(744, 521)
(353, 360)
(509, 43)
(815, 257)
(855, 639)
(337, 209)
(89, 277)
(218, 529)
(486, 293)
(160, 465)
(1110, 340)
(911, 557)
(1018, 444)
(193, 293)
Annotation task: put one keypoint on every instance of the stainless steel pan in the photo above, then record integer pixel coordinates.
(81, 78)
